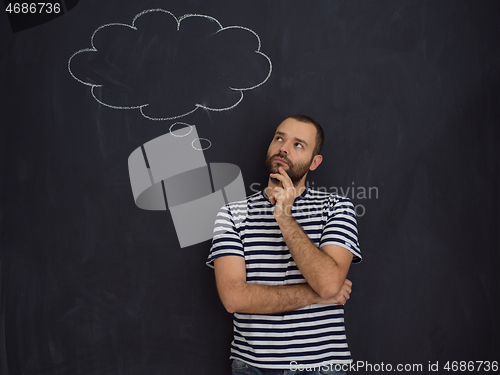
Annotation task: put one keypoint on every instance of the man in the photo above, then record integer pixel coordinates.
(281, 258)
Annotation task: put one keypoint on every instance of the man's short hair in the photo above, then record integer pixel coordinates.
(320, 135)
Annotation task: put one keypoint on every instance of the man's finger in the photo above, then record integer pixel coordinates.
(276, 192)
(278, 176)
(285, 184)
(287, 177)
(348, 289)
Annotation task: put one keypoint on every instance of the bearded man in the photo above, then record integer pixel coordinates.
(281, 259)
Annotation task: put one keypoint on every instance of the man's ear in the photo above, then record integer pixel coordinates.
(316, 162)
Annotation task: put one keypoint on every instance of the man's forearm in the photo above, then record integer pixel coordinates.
(319, 269)
(269, 299)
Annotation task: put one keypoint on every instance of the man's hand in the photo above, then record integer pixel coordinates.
(283, 196)
(341, 297)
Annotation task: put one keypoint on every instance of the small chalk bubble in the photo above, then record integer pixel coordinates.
(198, 144)
(181, 132)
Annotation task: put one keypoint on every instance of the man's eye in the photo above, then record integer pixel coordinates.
(278, 138)
(299, 145)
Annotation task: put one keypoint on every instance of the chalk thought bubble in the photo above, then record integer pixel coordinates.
(168, 67)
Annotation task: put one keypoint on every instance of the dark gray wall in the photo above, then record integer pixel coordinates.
(408, 94)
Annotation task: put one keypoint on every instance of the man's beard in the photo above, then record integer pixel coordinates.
(295, 172)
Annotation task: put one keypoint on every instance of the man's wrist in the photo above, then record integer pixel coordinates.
(315, 297)
(284, 220)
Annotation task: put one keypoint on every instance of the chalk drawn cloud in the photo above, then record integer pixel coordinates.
(168, 67)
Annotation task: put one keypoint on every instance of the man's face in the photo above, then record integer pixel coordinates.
(292, 149)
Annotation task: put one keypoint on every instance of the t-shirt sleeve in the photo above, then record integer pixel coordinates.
(341, 227)
(226, 239)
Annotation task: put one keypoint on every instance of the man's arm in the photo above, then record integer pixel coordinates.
(324, 269)
(239, 296)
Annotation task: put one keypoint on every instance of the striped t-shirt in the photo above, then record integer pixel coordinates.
(313, 335)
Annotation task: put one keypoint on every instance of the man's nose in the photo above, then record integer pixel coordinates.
(284, 149)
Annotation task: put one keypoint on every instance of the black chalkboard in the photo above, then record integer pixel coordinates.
(407, 92)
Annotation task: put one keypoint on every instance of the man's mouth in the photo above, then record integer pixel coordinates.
(281, 161)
